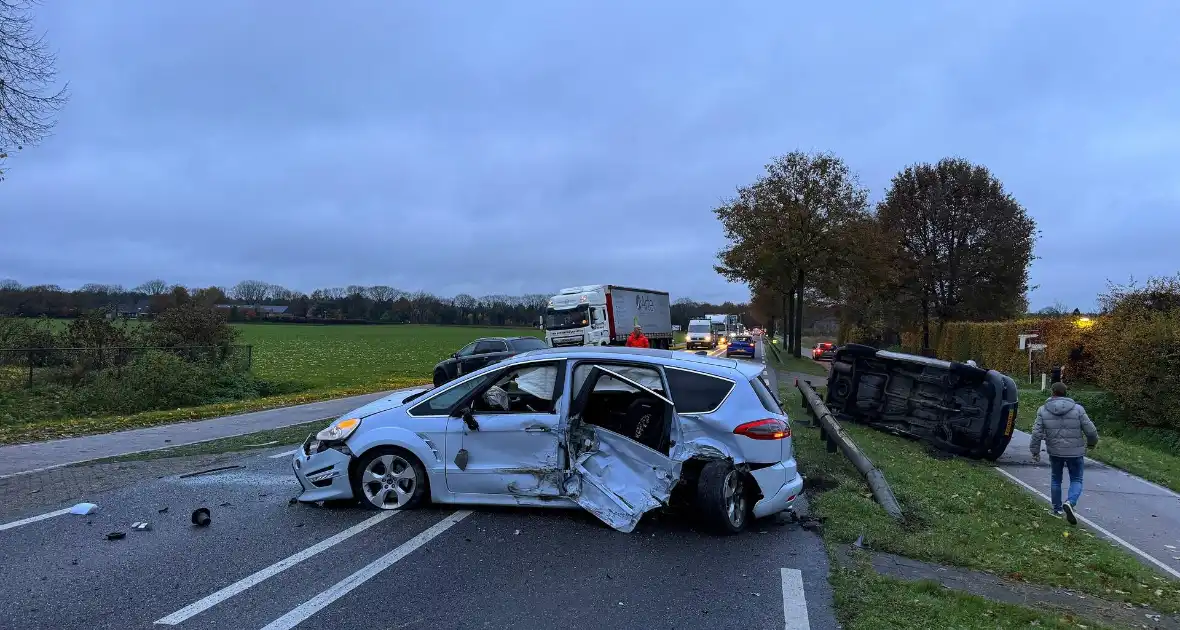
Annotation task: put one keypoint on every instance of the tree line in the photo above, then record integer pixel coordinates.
(252, 300)
(946, 243)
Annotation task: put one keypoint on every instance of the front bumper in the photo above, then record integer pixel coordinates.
(778, 491)
(322, 476)
(699, 344)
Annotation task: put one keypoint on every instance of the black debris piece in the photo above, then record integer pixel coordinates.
(201, 517)
(116, 536)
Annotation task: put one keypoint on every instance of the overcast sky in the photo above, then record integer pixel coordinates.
(520, 147)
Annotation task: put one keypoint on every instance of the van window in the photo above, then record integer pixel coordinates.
(694, 392)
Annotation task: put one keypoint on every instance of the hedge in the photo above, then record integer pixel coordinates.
(996, 345)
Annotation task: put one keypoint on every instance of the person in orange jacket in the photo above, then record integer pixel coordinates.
(636, 338)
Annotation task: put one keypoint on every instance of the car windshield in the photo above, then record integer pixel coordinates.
(567, 318)
(527, 343)
(698, 328)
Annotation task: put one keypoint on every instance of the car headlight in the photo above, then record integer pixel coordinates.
(339, 430)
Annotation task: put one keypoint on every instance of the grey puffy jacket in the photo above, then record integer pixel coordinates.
(1065, 428)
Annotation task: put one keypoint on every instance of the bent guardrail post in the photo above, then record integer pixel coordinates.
(835, 437)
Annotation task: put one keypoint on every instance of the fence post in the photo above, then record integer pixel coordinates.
(249, 357)
(30, 384)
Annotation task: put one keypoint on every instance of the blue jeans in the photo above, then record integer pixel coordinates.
(1074, 464)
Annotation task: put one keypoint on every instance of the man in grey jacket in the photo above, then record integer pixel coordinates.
(1067, 431)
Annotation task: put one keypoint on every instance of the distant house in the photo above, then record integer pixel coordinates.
(133, 310)
(261, 310)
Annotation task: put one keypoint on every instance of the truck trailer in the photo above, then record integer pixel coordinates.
(605, 314)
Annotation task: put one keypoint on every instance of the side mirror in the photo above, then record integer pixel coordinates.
(469, 419)
(454, 355)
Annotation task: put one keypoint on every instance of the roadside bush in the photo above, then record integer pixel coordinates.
(189, 325)
(994, 345)
(1137, 353)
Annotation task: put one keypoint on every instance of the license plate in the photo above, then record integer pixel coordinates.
(1011, 422)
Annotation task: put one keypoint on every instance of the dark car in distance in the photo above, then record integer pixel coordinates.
(482, 352)
(740, 344)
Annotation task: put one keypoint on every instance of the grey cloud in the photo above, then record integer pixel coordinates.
(522, 147)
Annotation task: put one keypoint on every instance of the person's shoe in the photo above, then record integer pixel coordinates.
(1057, 513)
(1069, 515)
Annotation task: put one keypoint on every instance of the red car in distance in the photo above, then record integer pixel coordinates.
(823, 351)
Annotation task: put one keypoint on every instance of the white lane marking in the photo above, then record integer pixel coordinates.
(284, 454)
(1098, 528)
(210, 601)
(34, 519)
(301, 612)
(794, 601)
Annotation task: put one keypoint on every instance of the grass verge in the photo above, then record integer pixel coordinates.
(270, 438)
(1146, 452)
(802, 365)
(962, 513)
(868, 601)
(73, 427)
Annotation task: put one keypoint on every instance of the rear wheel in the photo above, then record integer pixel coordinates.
(722, 498)
(389, 478)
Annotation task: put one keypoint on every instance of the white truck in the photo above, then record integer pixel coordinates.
(604, 315)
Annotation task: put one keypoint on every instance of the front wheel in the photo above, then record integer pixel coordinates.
(389, 478)
(722, 498)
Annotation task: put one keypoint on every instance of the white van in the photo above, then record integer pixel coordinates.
(700, 335)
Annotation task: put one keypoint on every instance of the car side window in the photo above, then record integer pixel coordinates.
(441, 404)
(530, 388)
(467, 350)
(488, 347)
(769, 402)
(693, 392)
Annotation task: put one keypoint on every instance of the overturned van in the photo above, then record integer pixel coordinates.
(955, 407)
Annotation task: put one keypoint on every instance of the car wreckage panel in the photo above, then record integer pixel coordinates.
(619, 480)
(958, 408)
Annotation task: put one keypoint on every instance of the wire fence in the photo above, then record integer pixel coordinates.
(27, 367)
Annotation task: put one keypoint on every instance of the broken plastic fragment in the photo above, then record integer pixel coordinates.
(140, 526)
(116, 535)
(83, 509)
(201, 517)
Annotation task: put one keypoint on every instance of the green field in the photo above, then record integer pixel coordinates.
(346, 356)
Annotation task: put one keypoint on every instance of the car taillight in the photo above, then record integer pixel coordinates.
(768, 429)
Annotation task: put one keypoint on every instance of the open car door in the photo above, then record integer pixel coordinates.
(614, 477)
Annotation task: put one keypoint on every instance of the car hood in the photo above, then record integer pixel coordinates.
(392, 401)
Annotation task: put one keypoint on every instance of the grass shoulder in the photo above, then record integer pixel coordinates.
(961, 513)
(49, 429)
(802, 365)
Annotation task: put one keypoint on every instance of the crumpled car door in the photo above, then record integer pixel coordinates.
(614, 477)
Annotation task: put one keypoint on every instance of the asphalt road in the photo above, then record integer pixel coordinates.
(428, 568)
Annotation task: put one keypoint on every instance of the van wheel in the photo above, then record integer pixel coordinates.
(722, 498)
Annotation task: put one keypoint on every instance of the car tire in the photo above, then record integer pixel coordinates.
(722, 499)
(440, 378)
(396, 461)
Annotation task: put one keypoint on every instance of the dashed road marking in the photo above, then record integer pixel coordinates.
(301, 612)
(212, 600)
(794, 601)
(1101, 530)
(34, 519)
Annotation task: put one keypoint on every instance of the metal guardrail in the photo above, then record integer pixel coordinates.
(835, 438)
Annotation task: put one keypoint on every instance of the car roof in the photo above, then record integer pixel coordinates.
(671, 358)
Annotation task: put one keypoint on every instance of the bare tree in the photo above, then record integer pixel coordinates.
(151, 287)
(252, 292)
(382, 293)
(29, 99)
(8, 284)
(95, 287)
(282, 294)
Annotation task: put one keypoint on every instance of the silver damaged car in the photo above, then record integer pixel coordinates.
(616, 431)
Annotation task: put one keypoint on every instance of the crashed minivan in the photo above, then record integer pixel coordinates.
(959, 408)
(616, 431)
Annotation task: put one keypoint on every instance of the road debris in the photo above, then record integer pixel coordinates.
(83, 509)
(210, 470)
(141, 526)
(201, 517)
(116, 536)
(260, 444)
(163, 510)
